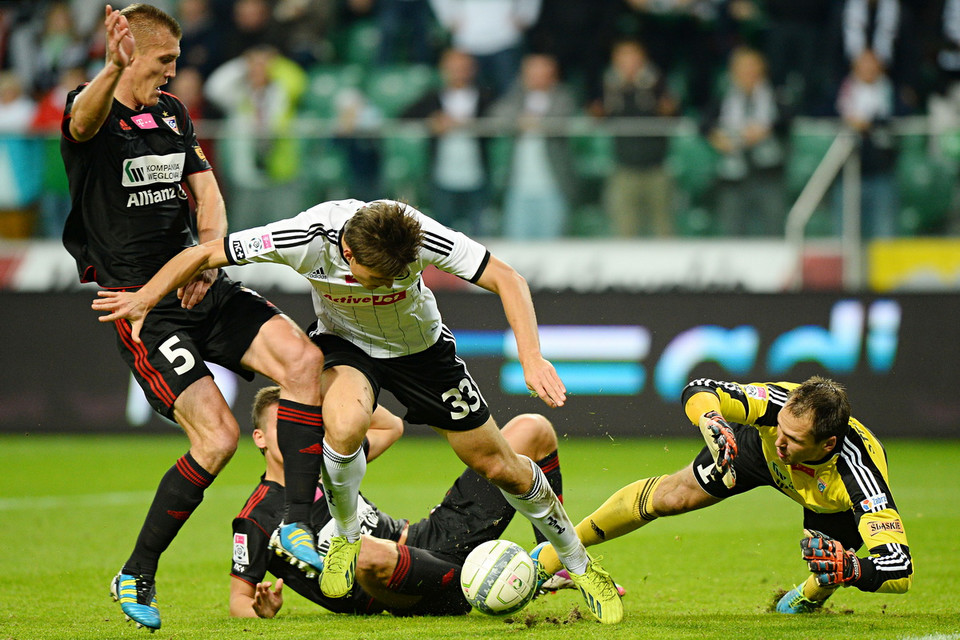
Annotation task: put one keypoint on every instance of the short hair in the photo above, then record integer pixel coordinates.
(266, 397)
(384, 237)
(826, 400)
(144, 20)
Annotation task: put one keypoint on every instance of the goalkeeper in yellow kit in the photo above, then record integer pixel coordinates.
(800, 439)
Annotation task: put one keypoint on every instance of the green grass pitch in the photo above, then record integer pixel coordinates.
(70, 508)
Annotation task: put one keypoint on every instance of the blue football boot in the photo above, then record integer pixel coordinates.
(296, 543)
(793, 601)
(137, 596)
(542, 575)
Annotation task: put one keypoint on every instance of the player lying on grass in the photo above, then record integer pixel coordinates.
(801, 440)
(404, 568)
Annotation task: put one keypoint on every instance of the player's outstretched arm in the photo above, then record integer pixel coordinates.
(93, 104)
(211, 225)
(539, 373)
(181, 269)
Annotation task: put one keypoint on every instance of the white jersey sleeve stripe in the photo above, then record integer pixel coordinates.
(863, 475)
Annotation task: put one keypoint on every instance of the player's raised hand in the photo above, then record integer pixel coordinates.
(267, 603)
(193, 293)
(122, 305)
(120, 43)
(827, 559)
(722, 445)
(544, 382)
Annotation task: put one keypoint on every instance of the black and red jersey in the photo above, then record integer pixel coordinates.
(129, 212)
(261, 515)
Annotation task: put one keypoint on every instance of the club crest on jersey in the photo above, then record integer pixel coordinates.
(821, 485)
(874, 503)
(241, 553)
(144, 121)
(172, 123)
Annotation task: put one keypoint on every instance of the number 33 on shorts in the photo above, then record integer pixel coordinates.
(462, 399)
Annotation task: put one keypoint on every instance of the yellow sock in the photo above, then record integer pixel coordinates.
(813, 591)
(627, 510)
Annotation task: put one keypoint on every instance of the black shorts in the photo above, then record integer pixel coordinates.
(434, 385)
(473, 511)
(176, 342)
(752, 472)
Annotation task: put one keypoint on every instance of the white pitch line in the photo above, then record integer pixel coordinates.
(115, 499)
(84, 500)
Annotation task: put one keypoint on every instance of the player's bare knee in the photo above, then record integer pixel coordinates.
(532, 435)
(214, 448)
(377, 560)
(674, 496)
(494, 468)
(302, 372)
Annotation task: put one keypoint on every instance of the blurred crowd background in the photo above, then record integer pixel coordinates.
(527, 119)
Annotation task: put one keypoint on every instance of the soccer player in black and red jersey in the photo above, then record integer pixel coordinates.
(407, 568)
(129, 150)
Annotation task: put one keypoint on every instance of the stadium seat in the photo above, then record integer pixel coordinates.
(501, 152)
(593, 155)
(405, 163)
(806, 150)
(325, 82)
(589, 221)
(360, 43)
(394, 88)
(692, 163)
(926, 192)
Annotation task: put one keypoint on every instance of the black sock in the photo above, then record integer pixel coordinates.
(420, 573)
(550, 465)
(179, 493)
(300, 438)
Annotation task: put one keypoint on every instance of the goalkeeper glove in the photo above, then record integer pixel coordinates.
(722, 445)
(827, 559)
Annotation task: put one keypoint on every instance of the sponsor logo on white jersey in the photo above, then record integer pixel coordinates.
(376, 301)
(152, 169)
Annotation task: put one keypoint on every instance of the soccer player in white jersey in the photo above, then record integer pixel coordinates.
(379, 327)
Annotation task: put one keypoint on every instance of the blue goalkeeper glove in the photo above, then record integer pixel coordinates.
(722, 445)
(828, 560)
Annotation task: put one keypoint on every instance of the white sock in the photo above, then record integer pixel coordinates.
(341, 486)
(541, 506)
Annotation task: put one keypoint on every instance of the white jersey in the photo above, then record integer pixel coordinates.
(386, 322)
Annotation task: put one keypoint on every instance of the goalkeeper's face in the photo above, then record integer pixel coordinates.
(795, 440)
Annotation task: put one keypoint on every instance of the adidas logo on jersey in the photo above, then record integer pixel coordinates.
(317, 274)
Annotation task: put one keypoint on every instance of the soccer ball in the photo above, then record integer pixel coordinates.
(498, 578)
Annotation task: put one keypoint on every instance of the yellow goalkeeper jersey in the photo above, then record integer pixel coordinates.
(854, 477)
